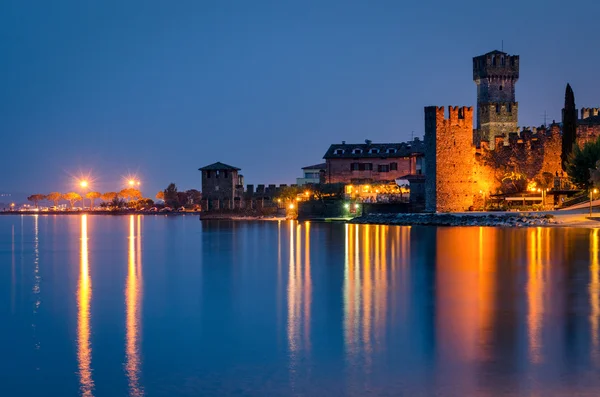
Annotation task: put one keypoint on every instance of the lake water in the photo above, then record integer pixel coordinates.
(171, 306)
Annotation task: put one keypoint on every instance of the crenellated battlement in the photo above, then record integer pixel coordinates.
(455, 113)
(500, 108)
(589, 112)
(496, 64)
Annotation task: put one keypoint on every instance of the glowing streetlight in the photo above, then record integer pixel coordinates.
(592, 192)
(84, 185)
(291, 206)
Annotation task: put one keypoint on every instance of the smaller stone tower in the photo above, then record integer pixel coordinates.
(496, 74)
(219, 183)
(449, 154)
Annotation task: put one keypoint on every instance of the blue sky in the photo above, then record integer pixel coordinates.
(162, 88)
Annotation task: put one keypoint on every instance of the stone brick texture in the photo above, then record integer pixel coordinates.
(449, 159)
(219, 187)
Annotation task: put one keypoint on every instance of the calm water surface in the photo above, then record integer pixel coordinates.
(157, 306)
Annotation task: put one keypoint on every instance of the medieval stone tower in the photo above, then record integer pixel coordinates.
(495, 74)
(449, 154)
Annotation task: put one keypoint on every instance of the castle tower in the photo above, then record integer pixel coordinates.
(449, 156)
(495, 74)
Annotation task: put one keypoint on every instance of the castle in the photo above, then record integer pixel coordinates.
(463, 164)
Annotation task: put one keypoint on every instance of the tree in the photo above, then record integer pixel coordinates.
(182, 199)
(569, 129)
(194, 196)
(170, 195)
(55, 197)
(92, 196)
(130, 194)
(513, 182)
(142, 203)
(595, 175)
(160, 195)
(108, 196)
(288, 193)
(36, 198)
(135, 194)
(545, 181)
(72, 197)
(124, 194)
(581, 161)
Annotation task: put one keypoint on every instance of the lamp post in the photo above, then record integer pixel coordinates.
(84, 185)
(592, 192)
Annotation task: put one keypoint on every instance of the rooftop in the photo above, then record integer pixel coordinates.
(321, 166)
(218, 166)
(375, 150)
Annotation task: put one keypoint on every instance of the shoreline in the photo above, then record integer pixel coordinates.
(484, 219)
(561, 218)
(112, 213)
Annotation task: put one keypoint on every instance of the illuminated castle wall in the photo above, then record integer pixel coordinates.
(463, 164)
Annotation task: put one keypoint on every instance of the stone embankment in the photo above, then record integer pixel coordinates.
(500, 220)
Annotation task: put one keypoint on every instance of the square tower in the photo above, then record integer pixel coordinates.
(219, 183)
(449, 159)
(496, 74)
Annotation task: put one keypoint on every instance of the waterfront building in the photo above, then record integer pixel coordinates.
(312, 174)
(220, 186)
(368, 163)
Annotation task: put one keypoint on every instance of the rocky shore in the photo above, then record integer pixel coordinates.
(500, 220)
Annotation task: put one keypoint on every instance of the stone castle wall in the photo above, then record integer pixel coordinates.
(449, 164)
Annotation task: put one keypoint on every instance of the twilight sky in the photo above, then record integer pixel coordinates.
(161, 88)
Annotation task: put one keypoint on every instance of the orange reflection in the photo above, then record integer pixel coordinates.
(535, 293)
(465, 284)
(84, 295)
(132, 302)
(366, 288)
(299, 292)
(594, 290)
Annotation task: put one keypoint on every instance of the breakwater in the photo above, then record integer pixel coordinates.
(481, 219)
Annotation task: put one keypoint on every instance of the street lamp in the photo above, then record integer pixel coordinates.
(83, 184)
(592, 192)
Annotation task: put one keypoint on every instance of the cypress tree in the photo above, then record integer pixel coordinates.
(569, 128)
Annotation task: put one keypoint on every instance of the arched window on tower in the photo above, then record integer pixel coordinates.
(497, 108)
(493, 60)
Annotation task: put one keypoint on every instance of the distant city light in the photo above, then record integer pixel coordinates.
(83, 184)
(291, 206)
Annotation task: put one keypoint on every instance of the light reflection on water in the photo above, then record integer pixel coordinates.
(84, 296)
(133, 293)
(297, 309)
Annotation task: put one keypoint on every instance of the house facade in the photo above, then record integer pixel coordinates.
(312, 174)
(373, 162)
